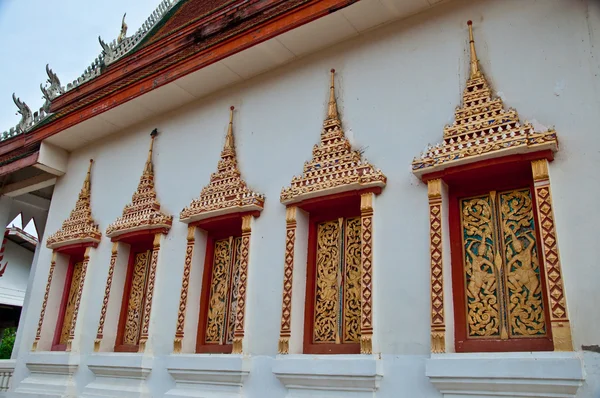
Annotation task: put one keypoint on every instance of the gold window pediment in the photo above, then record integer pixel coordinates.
(227, 191)
(482, 129)
(143, 213)
(335, 167)
(80, 226)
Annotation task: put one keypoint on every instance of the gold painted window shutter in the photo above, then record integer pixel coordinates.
(501, 267)
(71, 301)
(337, 290)
(137, 296)
(225, 278)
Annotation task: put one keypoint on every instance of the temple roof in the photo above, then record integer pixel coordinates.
(335, 166)
(143, 213)
(80, 226)
(482, 129)
(227, 192)
(175, 31)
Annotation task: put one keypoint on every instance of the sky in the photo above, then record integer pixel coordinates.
(62, 33)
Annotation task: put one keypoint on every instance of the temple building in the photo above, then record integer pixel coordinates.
(314, 198)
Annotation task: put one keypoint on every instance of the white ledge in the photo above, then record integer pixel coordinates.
(119, 375)
(307, 375)
(202, 375)
(51, 374)
(526, 374)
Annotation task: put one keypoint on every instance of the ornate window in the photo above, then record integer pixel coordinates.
(334, 284)
(225, 211)
(71, 248)
(506, 274)
(336, 190)
(141, 228)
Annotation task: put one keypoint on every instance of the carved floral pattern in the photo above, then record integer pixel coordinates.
(71, 299)
(111, 271)
(135, 304)
(38, 332)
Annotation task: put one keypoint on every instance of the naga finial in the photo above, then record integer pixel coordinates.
(53, 90)
(25, 112)
(123, 30)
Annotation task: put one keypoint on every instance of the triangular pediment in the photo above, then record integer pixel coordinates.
(227, 191)
(335, 167)
(482, 128)
(80, 226)
(143, 213)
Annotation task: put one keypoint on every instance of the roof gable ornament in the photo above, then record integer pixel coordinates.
(226, 192)
(53, 90)
(143, 213)
(80, 226)
(25, 112)
(335, 166)
(123, 32)
(482, 128)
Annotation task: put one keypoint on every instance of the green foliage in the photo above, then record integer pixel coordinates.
(8, 341)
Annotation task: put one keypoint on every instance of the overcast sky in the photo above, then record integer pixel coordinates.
(62, 33)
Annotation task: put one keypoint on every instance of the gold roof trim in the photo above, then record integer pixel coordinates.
(80, 226)
(335, 167)
(226, 192)
(143, 213)
(482, 129)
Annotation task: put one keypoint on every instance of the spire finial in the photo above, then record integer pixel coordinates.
(229, 142)
(332, 112)
(474, 60)
(148, 169)
(86, 184)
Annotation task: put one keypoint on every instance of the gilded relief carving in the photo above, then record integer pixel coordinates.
(438, 325)
(352, 281)
(525, 301)
(38, 333)
(185, 284)
(135, 304)
(288, 273)
(219, 282)
(503, 286)
(109, 278)
(71, 300)
(328, 278)
(234, 289)
(338, 278)
(481, 268)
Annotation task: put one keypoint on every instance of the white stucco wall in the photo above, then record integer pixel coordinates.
(397, 87)
(13, 283)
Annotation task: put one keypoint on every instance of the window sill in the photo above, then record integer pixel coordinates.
(51, 374)
(197, 374)
(302, 375)
(514, 374)
(119, 375)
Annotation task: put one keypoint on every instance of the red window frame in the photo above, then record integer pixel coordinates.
(346, 205)
(219, 227)
(75, 253)
(511, 172)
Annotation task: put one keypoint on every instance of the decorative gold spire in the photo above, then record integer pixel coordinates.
(80, 226)
(229, 147)
(332, 111)
(143, 212)
(335, 166)
(482, 128)
(227, 192)
(474, 60)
